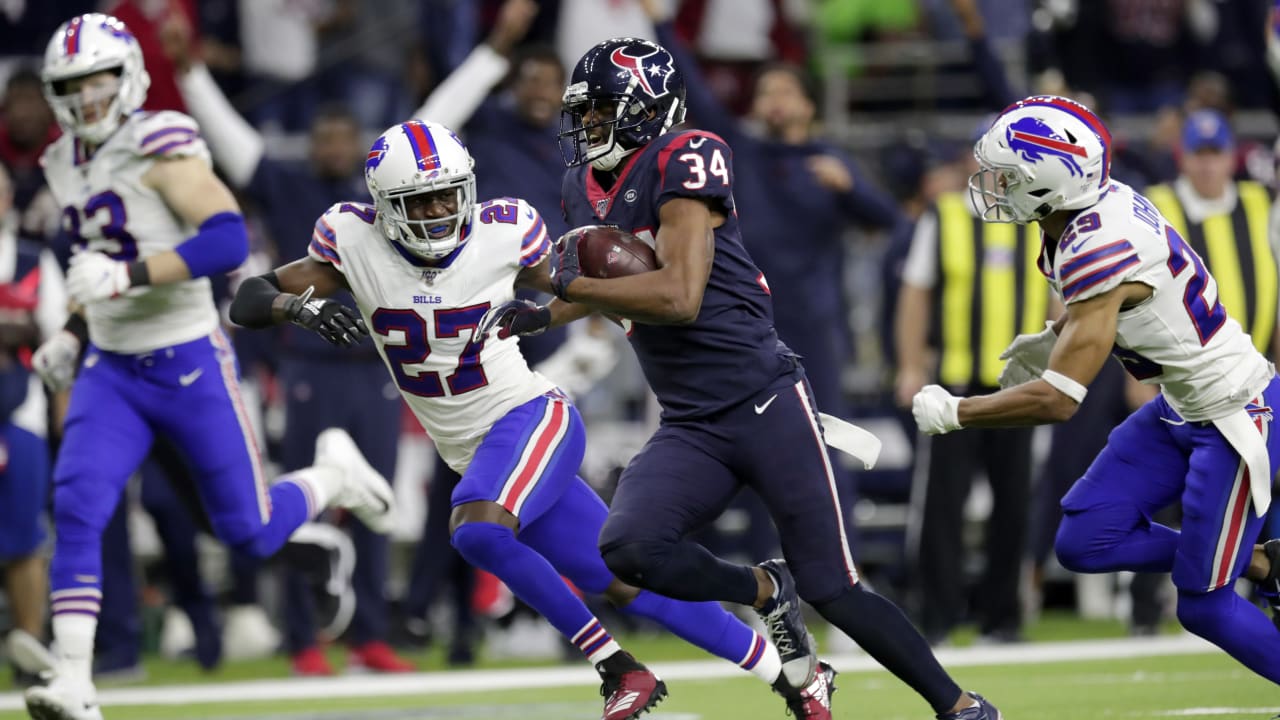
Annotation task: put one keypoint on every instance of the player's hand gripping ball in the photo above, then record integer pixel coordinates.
(599, 251)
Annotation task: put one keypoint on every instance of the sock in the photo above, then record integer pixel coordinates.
(318, 485)
(712, 628)
(880, 628)
(74, 631)
(291, 506)
(1235, 625)
(495, 549)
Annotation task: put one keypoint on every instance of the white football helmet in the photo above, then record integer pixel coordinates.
(1041, 155)
(417, 158)
(83, 46)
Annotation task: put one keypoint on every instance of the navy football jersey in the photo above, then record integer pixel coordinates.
(731, 351)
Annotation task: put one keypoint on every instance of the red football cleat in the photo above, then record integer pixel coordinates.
(377, 656)
(813, 702)
(311, 663)
(629, 688)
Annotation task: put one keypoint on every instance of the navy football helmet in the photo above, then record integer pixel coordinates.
(622, 94)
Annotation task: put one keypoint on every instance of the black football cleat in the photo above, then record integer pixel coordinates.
(785, 624)
(629, 688)
(982, 711)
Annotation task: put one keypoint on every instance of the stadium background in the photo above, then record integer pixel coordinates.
(899, 88)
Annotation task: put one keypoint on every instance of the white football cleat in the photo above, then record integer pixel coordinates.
(28, 653)
(63, 699)
(363, 490)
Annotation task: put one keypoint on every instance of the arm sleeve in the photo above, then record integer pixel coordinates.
(456, 98)
(251, 306)
(706, 110)
(697, 165)
(921, 268)
(237, 147)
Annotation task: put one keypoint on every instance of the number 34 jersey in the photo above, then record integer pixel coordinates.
(106, 208)
(422, 315)
(1182, 337)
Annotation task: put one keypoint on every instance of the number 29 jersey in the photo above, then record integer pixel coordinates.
(422, 315)
(1182, 337)
(106, 208)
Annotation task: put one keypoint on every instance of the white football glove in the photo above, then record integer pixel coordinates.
(55, 360)
(94, 276)
(936, 411)
(1027, 357)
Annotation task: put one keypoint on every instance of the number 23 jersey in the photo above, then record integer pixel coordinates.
(1182, 337)
(106, 208)
(422, 315)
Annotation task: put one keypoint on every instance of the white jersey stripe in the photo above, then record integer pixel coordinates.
(811, 415)
(1231, 536)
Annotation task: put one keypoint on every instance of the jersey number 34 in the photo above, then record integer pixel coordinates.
(415, 347)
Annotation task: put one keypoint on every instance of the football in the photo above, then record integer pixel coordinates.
(608, 252)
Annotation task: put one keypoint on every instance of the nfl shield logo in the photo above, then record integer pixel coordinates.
(602, 207)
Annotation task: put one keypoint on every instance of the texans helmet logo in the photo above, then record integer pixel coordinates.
(650, 70)
(1032, 139)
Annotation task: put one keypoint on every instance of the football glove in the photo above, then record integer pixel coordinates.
(1027, 357)
(55, 360)
(564, 263)
(936, 411)
(331, 320)
(515, 317)
(94, 276)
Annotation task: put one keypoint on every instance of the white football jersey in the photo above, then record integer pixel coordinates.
(1182, 338)
(106, 208)
(422, 315)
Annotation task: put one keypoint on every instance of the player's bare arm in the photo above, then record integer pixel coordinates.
(671, 295)
(538, 277)
(1086, 335)
(194, 193)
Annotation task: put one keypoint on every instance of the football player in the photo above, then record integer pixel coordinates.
(150, 223)
(1135, 289)
(426, 264)
(736, 407)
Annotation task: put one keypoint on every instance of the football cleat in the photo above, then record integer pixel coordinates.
(785, 623)
(63, 698)
(1270, 587)
(377, 656)
(363, 490)
(629, 688)
(813, 702)
(310, 662)
(982, 711)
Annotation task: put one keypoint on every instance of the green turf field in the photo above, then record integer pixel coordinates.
(1168, 678)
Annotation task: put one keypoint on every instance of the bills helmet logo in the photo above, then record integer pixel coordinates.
(376, 153)
(650, 70)
(1033, 140)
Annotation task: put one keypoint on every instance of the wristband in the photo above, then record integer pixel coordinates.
(1065, 385)
(139, 274)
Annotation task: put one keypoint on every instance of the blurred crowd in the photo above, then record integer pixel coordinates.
(851, 123)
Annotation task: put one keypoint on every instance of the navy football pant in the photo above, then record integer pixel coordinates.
(689, 471)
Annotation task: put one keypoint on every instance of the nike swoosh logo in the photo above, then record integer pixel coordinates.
(1076, 248)
(190, 377)
(696, 143)
(761, 408)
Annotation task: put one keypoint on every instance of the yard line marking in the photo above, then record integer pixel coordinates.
(582, 675)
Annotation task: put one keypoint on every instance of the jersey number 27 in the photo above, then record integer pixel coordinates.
(414, 349)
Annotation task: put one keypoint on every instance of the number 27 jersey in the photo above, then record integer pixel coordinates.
(1182, 337)
(422, 315)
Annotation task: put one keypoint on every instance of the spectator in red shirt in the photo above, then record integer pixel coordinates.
(153, 22)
